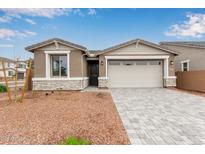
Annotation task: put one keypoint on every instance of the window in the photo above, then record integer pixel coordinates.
(185, 65)
(128, 63)
(10, 73)
(58, 65)
(141, 62)
(22, 66)
(155, 62)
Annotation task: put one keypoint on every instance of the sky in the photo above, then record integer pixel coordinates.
(96, 28)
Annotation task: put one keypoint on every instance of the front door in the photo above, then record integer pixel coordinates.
(93, 70)
(20, 76)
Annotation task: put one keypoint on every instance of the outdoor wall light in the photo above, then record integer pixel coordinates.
(171, 62)
(101, 62)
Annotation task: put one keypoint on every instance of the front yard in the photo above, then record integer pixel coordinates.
(42, 119)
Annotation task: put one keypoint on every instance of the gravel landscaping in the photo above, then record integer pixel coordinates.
(49, 119)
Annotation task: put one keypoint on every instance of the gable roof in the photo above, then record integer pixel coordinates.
(31, 48)
(6, 59)
(138, 41)
(193, 44)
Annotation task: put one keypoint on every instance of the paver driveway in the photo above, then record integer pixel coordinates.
(161, 116)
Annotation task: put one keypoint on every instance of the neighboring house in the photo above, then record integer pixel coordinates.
(191, 57)
(10, 66)
(22, 66)
(62, 65)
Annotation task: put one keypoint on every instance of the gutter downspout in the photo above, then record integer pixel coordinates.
(82, 72)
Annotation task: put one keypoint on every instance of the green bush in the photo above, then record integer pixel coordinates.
(75, 141)
(2, 88)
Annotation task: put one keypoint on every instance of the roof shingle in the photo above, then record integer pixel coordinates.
(197, 44)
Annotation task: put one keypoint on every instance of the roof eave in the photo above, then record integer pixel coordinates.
(184, 45)
(36, 46)
(139, 41)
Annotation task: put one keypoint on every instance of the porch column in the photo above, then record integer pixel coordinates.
(166, 67)
(47, 65)
(68, 64)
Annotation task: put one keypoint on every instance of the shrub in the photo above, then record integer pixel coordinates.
(75, 141)
(100, 95)
(2, 88)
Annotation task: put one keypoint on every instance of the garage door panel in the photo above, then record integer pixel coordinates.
(135, 75)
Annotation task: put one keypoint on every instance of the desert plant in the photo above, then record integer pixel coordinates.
(99, 94)
(2, 88)
(75, 141)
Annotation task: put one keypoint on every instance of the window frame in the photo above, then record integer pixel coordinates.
(12, 73)
(182, 65)
(47, 62)
(8, 64)
(51, 66)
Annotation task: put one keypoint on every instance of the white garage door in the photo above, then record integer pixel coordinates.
(135, 73)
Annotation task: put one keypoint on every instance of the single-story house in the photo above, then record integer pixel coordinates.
(63, 65)
(191, 57)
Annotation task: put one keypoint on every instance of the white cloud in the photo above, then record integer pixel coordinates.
(194, 26)
(92, 12)
(29, 33)
(9, 34)
(5, 19)
(78, 12)
(49, 13)
(30, 21)
(40, 12)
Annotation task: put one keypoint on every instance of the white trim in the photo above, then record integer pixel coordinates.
(106, 67)
(182, 66)
(56, 52)
(68, 64)
(102, 78)
(166, 61)
(136, 57)
(170, 77)
(48, 66)
(185, 61)
(60, 79)
(166, 67)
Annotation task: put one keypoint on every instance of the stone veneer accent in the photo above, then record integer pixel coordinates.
(170, 82)
(60, 84)
(103, 83)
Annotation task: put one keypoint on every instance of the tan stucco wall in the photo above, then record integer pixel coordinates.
(171, 67)
(131, 50)
(141, 49)
(75, 64)
(75, 61)
(102, 68)
(85, 69)
(53, 47)
(195, 55)
(39, 64)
